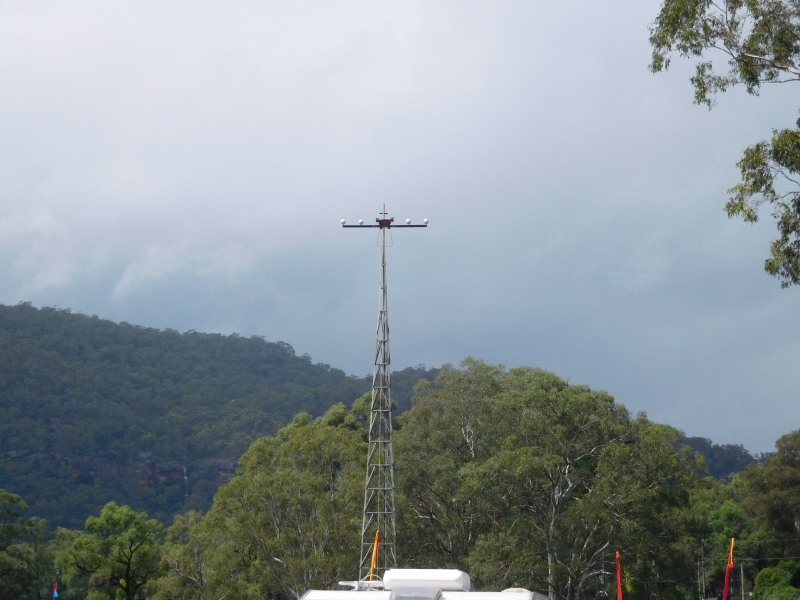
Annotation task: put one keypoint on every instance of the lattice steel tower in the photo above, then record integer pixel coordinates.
(379, 507)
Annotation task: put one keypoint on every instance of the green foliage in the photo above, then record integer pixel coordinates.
(758, 39)
(25, 558)
(726, 518)
(449, 428)
(525, 480)
(649, 481)
(119, 551)
(781, 582)
(289, 520)
(93, 411)
(760, 42)
(186, 560)
(770, 171)
(774, 494)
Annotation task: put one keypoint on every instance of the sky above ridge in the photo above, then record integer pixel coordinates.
(185, 165)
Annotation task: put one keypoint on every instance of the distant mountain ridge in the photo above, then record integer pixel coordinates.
(92, 410)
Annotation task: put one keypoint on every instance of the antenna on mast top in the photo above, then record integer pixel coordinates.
(379, 508)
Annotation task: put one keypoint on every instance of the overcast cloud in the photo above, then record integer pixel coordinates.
(185, 165)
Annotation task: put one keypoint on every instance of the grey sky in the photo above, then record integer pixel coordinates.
(186, 164)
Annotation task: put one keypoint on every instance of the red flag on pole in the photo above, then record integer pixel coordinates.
(728, 570)
(619, 579)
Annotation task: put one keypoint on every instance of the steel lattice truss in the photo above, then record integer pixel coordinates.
(379, 506)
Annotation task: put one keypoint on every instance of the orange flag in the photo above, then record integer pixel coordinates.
(374, 563)
(728, 570)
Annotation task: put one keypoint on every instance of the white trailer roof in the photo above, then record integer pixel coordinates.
(418, 584)
(387, 595)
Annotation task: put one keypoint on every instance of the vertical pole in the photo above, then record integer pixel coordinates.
(699, 582)
(741, 573)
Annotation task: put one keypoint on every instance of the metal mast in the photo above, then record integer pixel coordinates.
(379, 508)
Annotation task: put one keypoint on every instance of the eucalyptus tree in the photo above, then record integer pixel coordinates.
(529, 481)
(289, 520)
(449, 427)
(25, 555)
(774, 494)
(187, 560)
(779, 582)
(13, 562)
(117, 553)
(758, 42)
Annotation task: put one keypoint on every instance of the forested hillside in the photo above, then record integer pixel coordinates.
(722, 460)
(92, 411)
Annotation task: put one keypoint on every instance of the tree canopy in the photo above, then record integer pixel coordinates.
(758, 42)
(289, 520)
(118, 551)
(513, 475)
(774, 494)
(525, 480)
